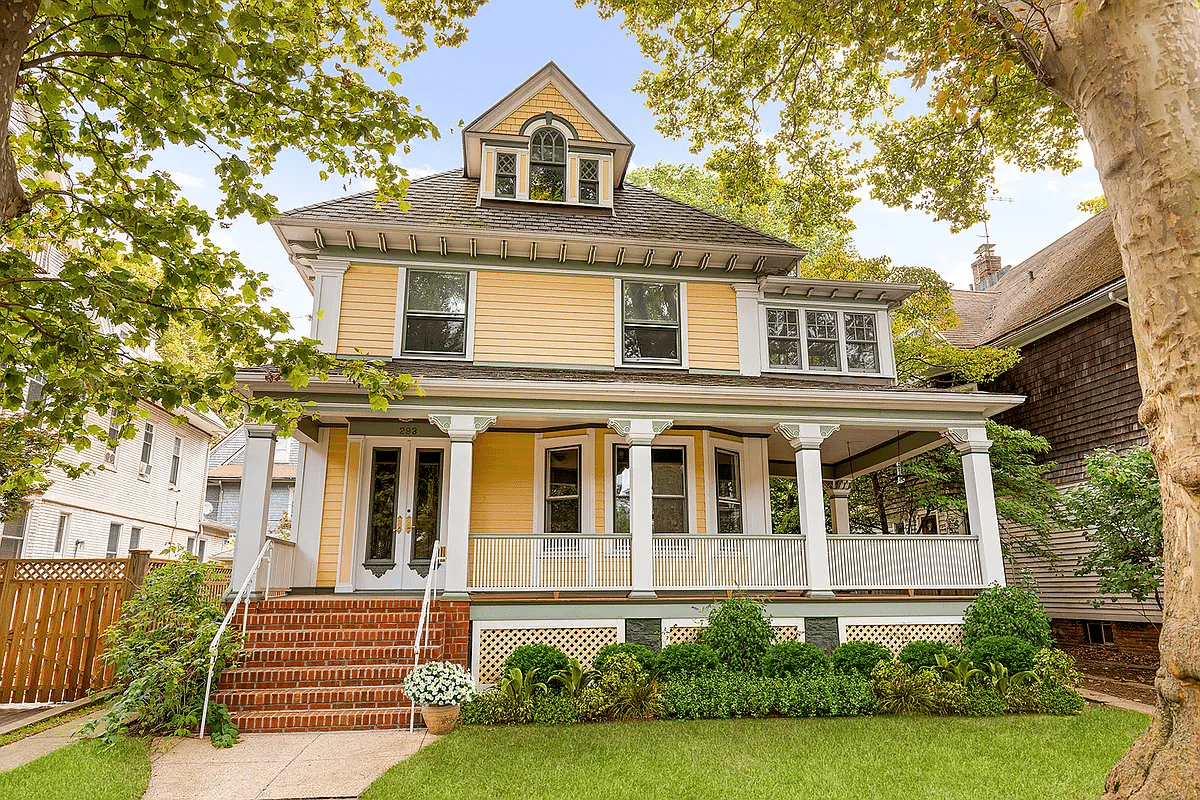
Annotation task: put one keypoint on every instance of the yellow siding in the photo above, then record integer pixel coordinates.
(712, 326)
(350, 518)
(502, 483)
(331, 508)
(368, 320)
(545, 319)
(548, 99)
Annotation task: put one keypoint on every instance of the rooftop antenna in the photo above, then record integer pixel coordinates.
(986, 238)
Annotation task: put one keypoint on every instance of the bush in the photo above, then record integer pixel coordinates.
(726, 695)
(684, 660)
(1011, 651)
(551, 709)
(1061, 700)
(644, 655)
(1023, 698)
(982, 701)
(159, 653)
(1055, 668)
(793, 658)
(739, 631)
(900, 688)
(858, 658)
(485, 708)
(546, 659)
(924, 654)
(624, 691)
(1007, 611)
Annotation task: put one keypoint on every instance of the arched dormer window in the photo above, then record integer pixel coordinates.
(547, 165)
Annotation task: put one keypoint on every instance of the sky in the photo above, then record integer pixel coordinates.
(509, 41)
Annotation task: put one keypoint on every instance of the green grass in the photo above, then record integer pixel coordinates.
(82, 771)
(1009, 758)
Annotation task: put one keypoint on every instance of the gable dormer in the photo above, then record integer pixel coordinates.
(546, 142)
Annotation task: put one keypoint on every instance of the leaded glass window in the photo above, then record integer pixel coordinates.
(651, 327)
(862, 352)
(381, 526)
(547, 165)
(427, 504)
(589, 181)
(729, 492)
(822, 335)
(435, 313)
(668, 490)
(783, 337)
(506, 174)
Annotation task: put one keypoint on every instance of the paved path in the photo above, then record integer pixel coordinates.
(18, 716)
(1116, 702)
(278, 766)
(25, 750)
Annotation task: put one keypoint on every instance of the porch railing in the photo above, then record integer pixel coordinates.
(729, 562)
(905, 562)
(499, 562)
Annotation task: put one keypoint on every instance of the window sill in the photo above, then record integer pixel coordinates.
(143, 477)
(652, 365)
(828, 372)
(434, 357)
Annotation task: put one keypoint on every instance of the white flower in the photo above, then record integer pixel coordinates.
(439, 683)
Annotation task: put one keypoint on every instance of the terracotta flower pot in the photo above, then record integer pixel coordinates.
(440, 720)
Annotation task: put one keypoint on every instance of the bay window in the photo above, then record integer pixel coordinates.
(650, 323)
(822, 340)
(435, 313)
(668, 490)
(729, 492)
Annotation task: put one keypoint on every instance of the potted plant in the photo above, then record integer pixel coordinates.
(439, 688)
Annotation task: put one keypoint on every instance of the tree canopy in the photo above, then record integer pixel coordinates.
(103, 256)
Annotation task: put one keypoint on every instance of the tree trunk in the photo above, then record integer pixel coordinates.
(1130, 69)
(16, 22)
(880, 502)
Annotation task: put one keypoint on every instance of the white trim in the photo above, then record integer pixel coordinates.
(523, 624)
(587, 479)
(619, 323)
(328, 280)
(402, 308)
(883, 338)
(339, 585)
(908, 620)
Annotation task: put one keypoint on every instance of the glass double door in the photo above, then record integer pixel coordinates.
(405, 511)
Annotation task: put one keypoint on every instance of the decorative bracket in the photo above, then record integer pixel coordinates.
(806, 435)
(461, 428)
(838, 487)
(640, 431)
(968, 440)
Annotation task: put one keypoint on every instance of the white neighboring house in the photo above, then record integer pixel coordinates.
(147, 493)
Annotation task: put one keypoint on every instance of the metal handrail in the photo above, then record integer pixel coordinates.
(422, 629)
(215, 645)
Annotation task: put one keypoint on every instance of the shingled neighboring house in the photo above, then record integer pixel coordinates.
(1065, 308)
(223, 497)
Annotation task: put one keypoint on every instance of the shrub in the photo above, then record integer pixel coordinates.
(824, 695)
(624, 691)
(793, 658)
(726, 695)
(1013, 652)
(551, 709)
(982, 701)
(858, 658)
(900, 688)
(546, 659)
(684, 660)
(1061, 700)
(159, 653)
(644, 655)
(485, 708)
(924, 653)
(1055, 668)
(1023, 698)
(574, 679)
(739, 631)
(1007, 611)
(439, 683)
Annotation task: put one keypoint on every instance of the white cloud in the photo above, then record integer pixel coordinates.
(188, 181)
(421, 172)
(1052, 186)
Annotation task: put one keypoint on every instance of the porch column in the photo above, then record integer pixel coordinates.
(639, 434)
(806, 438)
(839, 501)
(256, 502)
(974, 445)
(462, 430)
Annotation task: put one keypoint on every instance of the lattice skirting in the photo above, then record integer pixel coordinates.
(496, 644)
(894, 636)
(691, 633)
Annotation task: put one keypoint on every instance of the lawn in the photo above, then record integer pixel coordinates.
(82, 771)
(955, 758)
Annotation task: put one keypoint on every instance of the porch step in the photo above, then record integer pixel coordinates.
(307, 604)
(331, 656)
(304, 638)
(312, 620)
(351, 719)
(313, 677)
(325, 699)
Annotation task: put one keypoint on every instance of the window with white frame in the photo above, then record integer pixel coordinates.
(435, 313)
(147, 449)
(12, 535)
(114, 540)
(729, 491)
(135, 538)
(506, 174)
(60, 537)
(650, 323)
(176, 456)
(668, 490)
(563, 501)
(589, 180)
(822, 340)
(110, 453)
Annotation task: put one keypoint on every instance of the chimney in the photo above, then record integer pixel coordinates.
(986, 268)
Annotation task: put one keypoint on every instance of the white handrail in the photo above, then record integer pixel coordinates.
(422, 630)
(215, 645)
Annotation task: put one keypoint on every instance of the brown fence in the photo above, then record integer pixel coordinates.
(217, 582)
(55, 612)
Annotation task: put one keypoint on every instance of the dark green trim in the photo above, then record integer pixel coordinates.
(903, 444)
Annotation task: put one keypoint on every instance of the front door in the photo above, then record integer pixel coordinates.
(404, 512)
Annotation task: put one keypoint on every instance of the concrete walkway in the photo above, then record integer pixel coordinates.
(278, 766)
(1115, 702)
(32, 747)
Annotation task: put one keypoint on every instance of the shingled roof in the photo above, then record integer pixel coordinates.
(1071, 267)
(449, 200)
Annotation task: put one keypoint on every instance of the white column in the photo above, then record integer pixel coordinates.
(839, 501)
(256, 501)
(974, 445)
(806, 439)
(309, 503)
(327, 302)
(639, 435)
(462, 430)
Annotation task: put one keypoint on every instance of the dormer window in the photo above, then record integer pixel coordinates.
(589, 180)
(547, 165)
(506, 174)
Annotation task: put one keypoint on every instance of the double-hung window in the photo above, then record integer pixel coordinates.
(862, 347)
(650, 323)
(12, 534)
(114, 540)
(563, 499)
(435, 313)
(822, 340)
(110, 453)
(668, 490)
(729, 492)
(176, 456)
(147, 450)
(135, 538)
(60, 538)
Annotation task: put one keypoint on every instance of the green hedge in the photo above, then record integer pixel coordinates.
(725, 695)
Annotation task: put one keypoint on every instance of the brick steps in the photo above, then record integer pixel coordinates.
(314, 677)
(316, 620)
(323, 699)
(357, 719)
(328, 656)
(333, 637)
